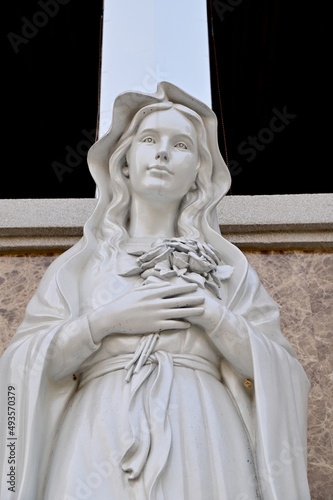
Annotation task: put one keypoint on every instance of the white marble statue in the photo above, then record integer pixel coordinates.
(150, 362)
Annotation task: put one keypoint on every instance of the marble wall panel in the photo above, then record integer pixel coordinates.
(302, 285)
(19, 277)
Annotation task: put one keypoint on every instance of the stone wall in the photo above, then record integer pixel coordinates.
(300, 282)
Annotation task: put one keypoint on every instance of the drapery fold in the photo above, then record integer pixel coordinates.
(151, 431)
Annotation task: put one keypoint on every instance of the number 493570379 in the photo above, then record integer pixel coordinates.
(11, 410)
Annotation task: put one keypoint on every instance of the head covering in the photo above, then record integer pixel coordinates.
(126, 106)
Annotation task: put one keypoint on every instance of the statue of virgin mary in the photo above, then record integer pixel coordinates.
(150, 363)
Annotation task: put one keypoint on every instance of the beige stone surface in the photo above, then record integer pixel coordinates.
(19, 278)
(302, 285)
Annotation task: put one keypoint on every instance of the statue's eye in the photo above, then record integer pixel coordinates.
(148, 140)
(181, 145)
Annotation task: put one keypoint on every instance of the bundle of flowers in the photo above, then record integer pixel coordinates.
(191, 260)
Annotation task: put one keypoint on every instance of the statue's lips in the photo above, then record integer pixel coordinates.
(159, 169)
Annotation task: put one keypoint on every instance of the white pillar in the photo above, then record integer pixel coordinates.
(147, 41)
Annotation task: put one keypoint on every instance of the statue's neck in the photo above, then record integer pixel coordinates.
(152, 220)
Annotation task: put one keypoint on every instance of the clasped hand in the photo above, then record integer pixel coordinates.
(154, 307)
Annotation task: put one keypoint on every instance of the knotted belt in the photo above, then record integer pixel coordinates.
(149, 422)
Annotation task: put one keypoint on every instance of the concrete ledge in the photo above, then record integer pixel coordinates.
(40, 244)
(309, 212)
(46, 217)
(259, 222)
(282, 240)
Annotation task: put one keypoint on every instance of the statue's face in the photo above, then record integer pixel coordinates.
(163, 159)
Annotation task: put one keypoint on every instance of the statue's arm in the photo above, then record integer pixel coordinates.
(231, 338)
(231, 326)
(77, 339)
(71, 345)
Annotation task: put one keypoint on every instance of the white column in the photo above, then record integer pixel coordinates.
(147, 41)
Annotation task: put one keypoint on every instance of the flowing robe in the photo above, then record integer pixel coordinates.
(186, 428)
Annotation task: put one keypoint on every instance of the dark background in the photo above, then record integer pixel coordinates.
(264, 57)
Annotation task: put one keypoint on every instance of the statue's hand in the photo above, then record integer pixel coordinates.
(227, 330)
(147, 309)
(212, 311)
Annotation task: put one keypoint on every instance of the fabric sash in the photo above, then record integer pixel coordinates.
(149, 422)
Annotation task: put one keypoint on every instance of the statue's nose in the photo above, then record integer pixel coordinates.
(162, 155)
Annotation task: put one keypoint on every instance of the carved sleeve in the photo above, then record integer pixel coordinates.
(231, 337)
(71, 346)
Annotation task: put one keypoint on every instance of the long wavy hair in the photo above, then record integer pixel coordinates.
(194, 203)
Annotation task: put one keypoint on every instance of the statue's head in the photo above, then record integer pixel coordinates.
(160, 145)
(164, 157)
